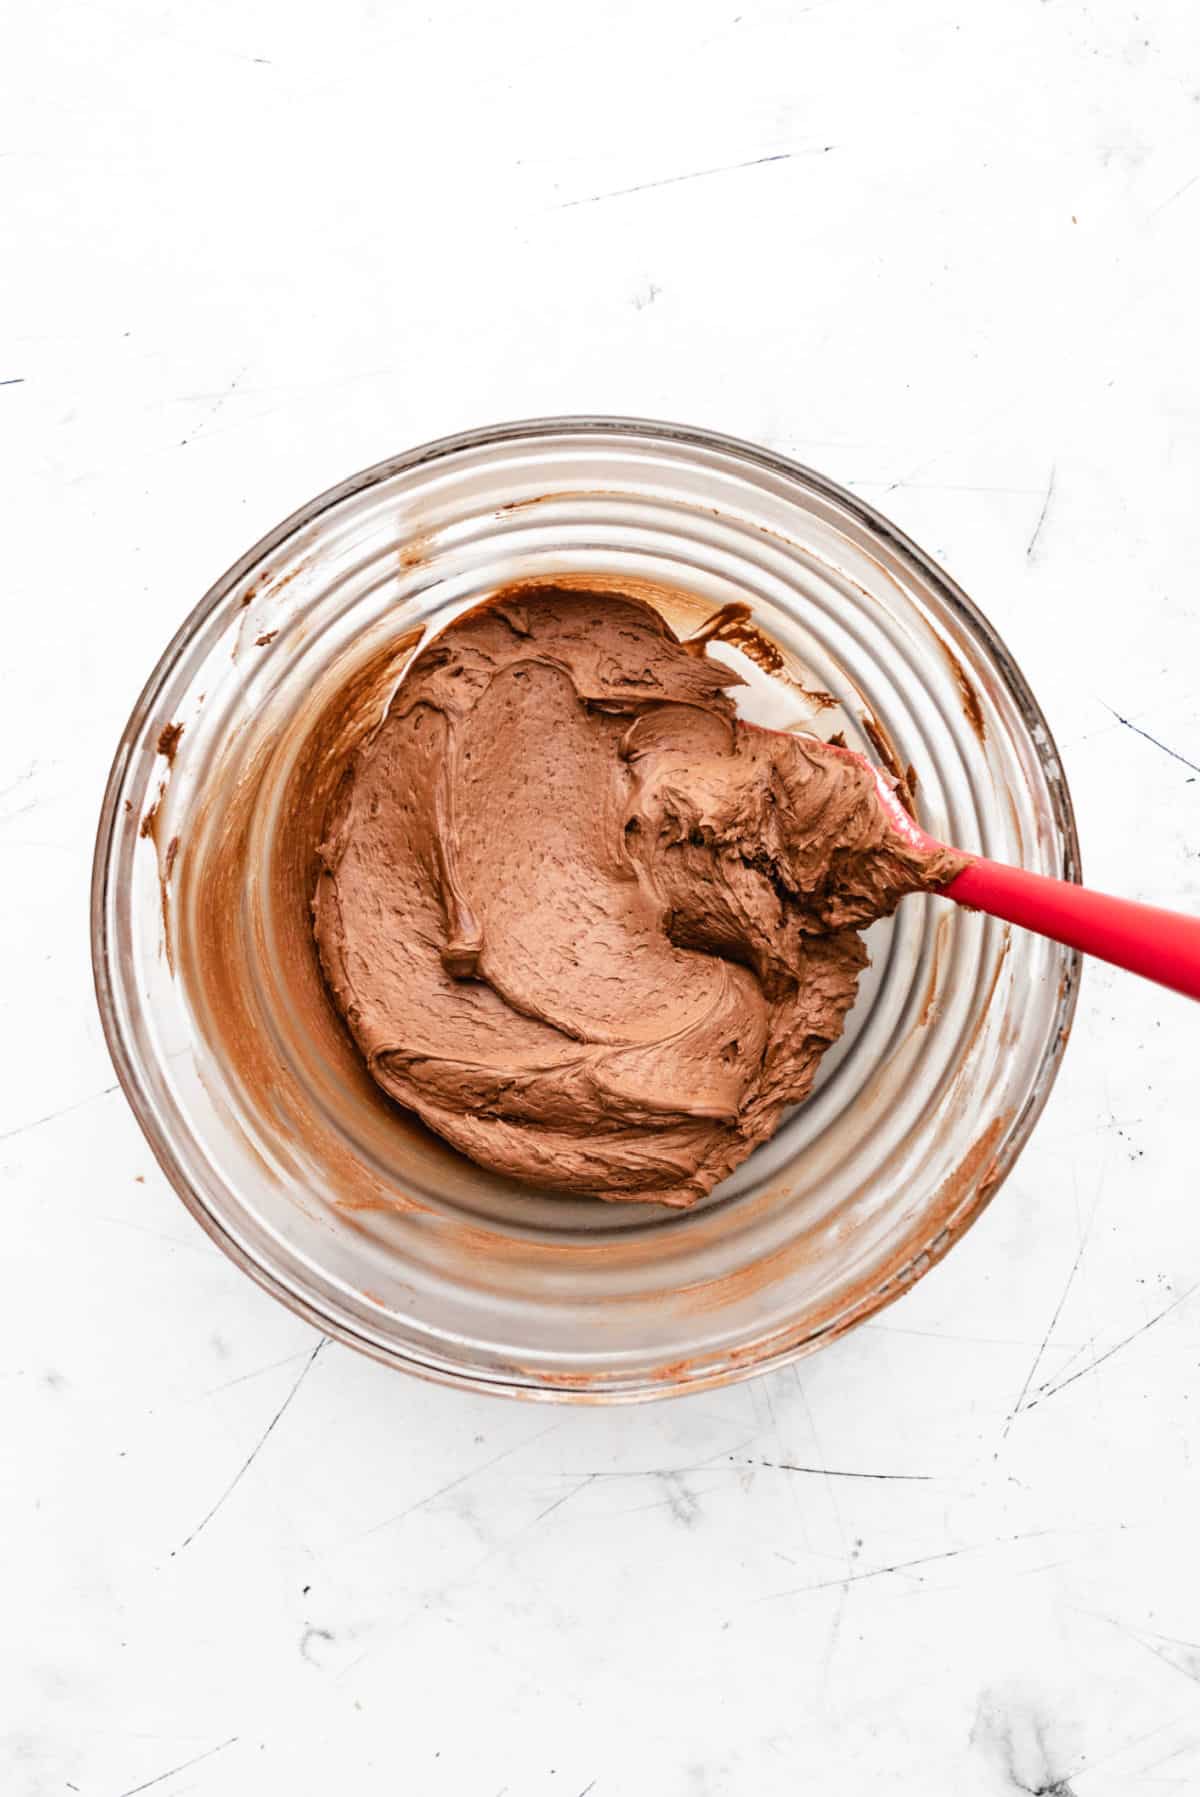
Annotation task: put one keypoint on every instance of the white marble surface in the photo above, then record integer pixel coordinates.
(946, 253)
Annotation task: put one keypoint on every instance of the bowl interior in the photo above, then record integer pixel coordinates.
(245, 1082)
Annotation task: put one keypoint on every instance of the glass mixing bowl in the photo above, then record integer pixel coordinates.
(245, 1083)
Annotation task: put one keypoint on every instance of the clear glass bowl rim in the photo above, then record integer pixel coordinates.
(580, 425)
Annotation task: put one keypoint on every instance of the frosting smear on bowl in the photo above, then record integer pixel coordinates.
(596, 930)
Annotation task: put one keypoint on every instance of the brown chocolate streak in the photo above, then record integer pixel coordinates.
(168, 740)
(733, 624)
(225, 924)
(972, 709)
(884, 748)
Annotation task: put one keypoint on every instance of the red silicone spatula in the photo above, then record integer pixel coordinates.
(1160, 945)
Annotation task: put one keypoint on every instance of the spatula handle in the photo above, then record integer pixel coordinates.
(1160, 945)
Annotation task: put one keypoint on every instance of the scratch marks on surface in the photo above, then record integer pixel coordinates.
(453, 1484)
(1172, 197)
(835, 1632)
(645, 1472)
(1036, 1362)
(878, 1572)
(699, 174)
(827, 1480)
(564, 1499)
(1032, 544)
(1138, 731)
(15, 380)
(261, 1443)
(833, 1472)
(206, 419)
(1116, 1348)
(22, 779)
(1180, 1656)
(53, 1116)
(257, 1372)
(183, 1766)
(907, 480)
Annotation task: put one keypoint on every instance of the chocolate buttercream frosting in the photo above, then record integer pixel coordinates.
(592, 927)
